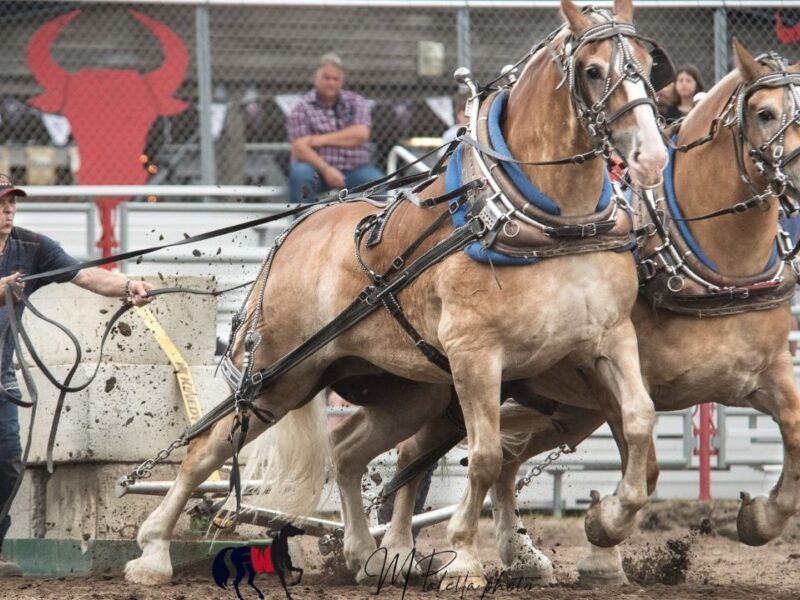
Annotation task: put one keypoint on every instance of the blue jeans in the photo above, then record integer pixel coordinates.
(10, 455)
(305, 182)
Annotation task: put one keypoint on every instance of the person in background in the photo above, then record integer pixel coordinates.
(23, 252)
(687, 83)
(329, 132)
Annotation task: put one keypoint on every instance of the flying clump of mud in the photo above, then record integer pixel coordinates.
(666, 564)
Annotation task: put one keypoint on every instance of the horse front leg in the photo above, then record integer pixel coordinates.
(763, 518)
(477, 376)
(629, 410)
(206, 453)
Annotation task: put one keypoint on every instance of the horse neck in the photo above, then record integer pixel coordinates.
(707, 179)
(540, 125)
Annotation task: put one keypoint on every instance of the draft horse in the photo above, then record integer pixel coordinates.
(584, 94)
(712, 318)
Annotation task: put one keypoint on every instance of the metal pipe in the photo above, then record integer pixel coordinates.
(272, 519)
(159, 488)
(232, 191)
(721, 43)
(640, 4)
(463, 44)
(207, 162)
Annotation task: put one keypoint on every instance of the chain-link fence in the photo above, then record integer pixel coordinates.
(126, 93)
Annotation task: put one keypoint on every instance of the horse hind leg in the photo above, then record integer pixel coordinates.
(205, 454)
(399, 539)
(396, 410)
(630, 412)
(763, 518)
(251, 577)
(349, 461)
(517, 552)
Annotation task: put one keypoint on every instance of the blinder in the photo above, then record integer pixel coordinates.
(662, 72)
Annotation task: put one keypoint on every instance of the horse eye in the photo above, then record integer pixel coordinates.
(765, 115)
(593, 72)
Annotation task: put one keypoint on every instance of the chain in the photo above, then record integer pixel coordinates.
(145, 470)
(537, 470)
(373, 503)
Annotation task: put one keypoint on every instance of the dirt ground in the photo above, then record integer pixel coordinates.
(682, 550)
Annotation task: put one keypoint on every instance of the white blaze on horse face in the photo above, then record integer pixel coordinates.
(647, 156)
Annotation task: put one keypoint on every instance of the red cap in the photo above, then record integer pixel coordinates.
(7, 187)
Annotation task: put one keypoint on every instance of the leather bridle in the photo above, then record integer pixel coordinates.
(593, 115)
(768, 157)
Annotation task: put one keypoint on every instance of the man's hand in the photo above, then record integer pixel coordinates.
(4, 281)
(137, 292)
(333, 177)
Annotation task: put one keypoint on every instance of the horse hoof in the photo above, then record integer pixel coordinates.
(141, 571)
(755, 523)
(463, 573)
(600, 578)
(606, 524)
(530, 574)
(603, 567)
(464, 583)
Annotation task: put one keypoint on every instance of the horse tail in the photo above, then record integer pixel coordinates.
(515, 427)
(219, 569)
(292, 459)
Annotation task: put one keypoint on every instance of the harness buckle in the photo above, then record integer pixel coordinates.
(589, 230)
(256, 378)
(647, 269)
(398, 263)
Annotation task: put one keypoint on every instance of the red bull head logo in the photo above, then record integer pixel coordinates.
(110, 111)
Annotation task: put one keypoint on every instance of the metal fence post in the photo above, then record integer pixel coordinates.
(720, 43)
(463, 49)
(207, 162)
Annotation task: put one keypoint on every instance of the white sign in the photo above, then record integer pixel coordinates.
(58, 127)
(218, 112)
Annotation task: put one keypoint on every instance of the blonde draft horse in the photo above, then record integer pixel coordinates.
(492, 324)
(735, 360)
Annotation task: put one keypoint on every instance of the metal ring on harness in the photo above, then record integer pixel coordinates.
(508, 226)
(676, 287)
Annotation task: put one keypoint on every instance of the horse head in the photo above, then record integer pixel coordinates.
(600, 69)
(743, 135)
(768, 112)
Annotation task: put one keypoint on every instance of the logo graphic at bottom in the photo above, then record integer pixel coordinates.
(250, 560)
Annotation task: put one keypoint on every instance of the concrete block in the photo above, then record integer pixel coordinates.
(78, 502)
(128, 413)
(188, 319)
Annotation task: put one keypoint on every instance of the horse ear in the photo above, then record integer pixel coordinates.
(624, 10)
(749, 67)
(575, 18)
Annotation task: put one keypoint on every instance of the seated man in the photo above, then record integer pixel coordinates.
(329, 132)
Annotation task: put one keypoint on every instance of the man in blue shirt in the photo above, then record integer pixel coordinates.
(23, 252)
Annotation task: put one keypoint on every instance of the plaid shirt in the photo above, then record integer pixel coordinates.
(310, 117)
